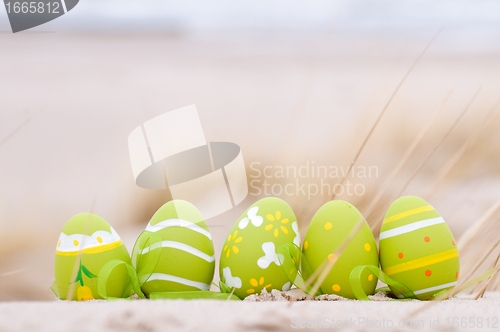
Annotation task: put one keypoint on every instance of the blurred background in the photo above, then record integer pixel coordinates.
(290, 81)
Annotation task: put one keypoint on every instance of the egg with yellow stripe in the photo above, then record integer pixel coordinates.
(186, 261)
(417, 248)
(328, 229)
(86, 243)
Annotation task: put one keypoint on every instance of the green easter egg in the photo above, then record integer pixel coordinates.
(87, 242)
(186, 261)
(417, 248)
(249, 261)
(329, 227)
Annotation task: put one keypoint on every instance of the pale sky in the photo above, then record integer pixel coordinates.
(196, 15)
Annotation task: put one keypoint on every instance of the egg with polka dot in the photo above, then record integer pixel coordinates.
(329, 227)
(87, 242)
(418, 249)
(249, 260)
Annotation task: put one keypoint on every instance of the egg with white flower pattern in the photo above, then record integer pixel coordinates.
(249, 261)
(86, 243)
(418, 249)
(186, 261)
(328, 229)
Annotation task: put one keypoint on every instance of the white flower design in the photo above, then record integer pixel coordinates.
(286, 287)
(230, 280)
(269, 256)
(296, 239)
(252, 217)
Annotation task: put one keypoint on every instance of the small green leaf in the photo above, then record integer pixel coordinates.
(78, 278)
(224, 288)
(88, 273)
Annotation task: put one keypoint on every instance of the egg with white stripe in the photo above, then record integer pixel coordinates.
(328, 229)
(418, 249)
(249, 261)
(186, 261)
(86, 243)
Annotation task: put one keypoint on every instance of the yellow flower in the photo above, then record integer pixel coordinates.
(256, 284)
(84, 293)
(229, 239)
(277, 216)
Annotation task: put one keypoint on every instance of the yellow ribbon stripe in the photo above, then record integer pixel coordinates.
(408, 213)
(92, 250)
(421, 262)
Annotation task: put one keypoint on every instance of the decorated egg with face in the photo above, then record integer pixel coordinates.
(329, 227)
(249, 260)
(417, 248)
(87, 242)
(186, 261)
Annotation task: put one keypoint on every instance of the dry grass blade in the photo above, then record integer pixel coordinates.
(483, 289)
(379, 220)
(323, 265)
(434, 149)
(230, 295)
(6, 274)
(470, 192)
(313, 276)
(341, 183)
(451, 292)
(71, 289)
(404, 158)
(428, 304)
(472, 232)
(21, 126)
(497, 283)
(474, 281)
(478, 264)
(454, 160)
(323, 273)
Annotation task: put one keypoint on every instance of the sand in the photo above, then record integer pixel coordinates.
(209, 315)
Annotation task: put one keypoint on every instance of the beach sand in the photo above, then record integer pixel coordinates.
(231, 316)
